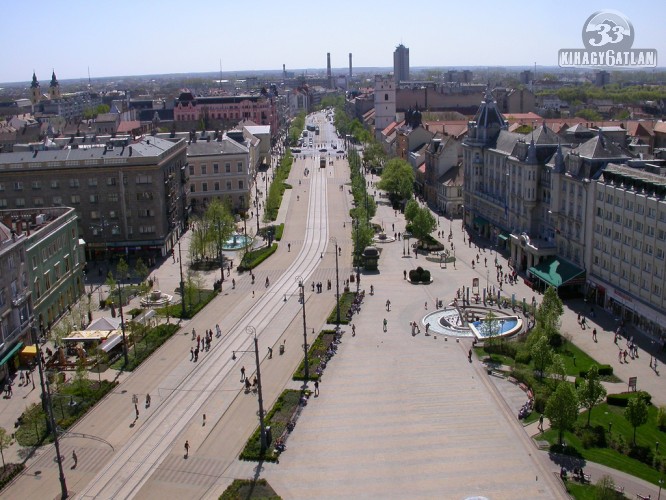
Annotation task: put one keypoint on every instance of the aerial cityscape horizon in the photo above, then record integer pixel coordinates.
(520, 37)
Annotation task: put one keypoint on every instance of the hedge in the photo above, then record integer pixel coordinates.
(10, 471)
(419, 275)
(604, 371)
(623, 398)
(254, 258)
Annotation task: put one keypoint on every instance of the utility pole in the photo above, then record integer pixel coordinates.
(182, 281)
(306, 368)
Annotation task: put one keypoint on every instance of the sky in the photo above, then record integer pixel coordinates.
(141, 37)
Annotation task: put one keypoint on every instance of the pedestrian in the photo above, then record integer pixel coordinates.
(187, 449)
(204, 421)
(196, 355)
(252, 293)
(619, 356)
(75, 458)
(21, 379)
(540, 426)
(469, 355)
(425, 305)
(27, 378)
(194, 334)
(289, 247)
(233, 283)
(578, 318)
(217, 327)
(136, 409)
(594, 334)
(388, 305)
(427, 328)
(353, 330)
(404, 274)
(191, 353)
(385, 324)
(316, 386)
(242, 374)
(625, 354)
(148, 400)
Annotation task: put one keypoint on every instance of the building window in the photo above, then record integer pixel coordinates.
(191, 169)
(94, 198)
(228, 185)
(3, 202)
(74, 183)
(112, 197)
(216, 168)
(111, 181)
(92, 182)
(20, 202)
(36, 185)
(203, 169)
(144, 179)
(18, 186)
(192, 189)
(217, 186)
(227, 168)
(75, 199)
(38, 202)
(204, 186)
(239, 166)
(240, 184)
(57, 201)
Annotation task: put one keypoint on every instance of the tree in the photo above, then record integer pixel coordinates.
(589, 114)
(397, 179)
(141, 270)
(5, 442)
(221, 224)
(411, 210)
(562, 409)
(492, 325)
(542, 354)
(591, 392)
(636, 413)
(558, 369)
(549, 313)
(374, 155)
(423, 224)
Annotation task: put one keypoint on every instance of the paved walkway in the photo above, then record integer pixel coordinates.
(397, 414)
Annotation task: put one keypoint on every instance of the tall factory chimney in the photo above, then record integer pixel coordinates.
(284, 71)
(328, 68)
(350, 65)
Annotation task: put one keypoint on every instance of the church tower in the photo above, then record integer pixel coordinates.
(54, 88)
(385, 106)
(35, 90)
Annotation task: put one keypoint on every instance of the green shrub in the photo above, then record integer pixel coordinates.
(556, 340)
(346, 300)
(623, 398)
(661, 418)
(592, 437)
(419, 275)
(9, 472)
(641, 453)
(504, 348)
(135, 312)
(605, 370)
(523, 356)
(278, 232)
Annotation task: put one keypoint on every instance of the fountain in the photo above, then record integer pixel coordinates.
(457, 321)
(156, 299)
(237, 241)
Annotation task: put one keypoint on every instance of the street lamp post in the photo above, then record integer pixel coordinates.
(46, 401)
(306, 367)
(220, 254)
(250, 330)
(256, 200)
(182, 281)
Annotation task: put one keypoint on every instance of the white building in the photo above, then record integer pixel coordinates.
(385, 106)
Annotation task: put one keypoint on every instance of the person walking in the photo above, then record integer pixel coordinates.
(316, 387)
(187, 449)
(594, 334)
(540, 426)
(388, 305)
(242, 374)
(353, 330)
(425, 305)
(270, 353)
(385, 324)
(75, 458)
(191, 353)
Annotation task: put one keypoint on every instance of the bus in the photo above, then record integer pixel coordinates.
(322, 162)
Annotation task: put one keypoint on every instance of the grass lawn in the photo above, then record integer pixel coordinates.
(249, 489)
(646, 435)
(277, 418)
(316, 353)
(145, 346)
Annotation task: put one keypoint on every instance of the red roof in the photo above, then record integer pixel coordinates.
(128, 126)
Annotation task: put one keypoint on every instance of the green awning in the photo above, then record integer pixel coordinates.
(10, 353)
(503, 236)
(480, 221)
(558, 272)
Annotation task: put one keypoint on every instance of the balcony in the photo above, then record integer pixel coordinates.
(20, 298)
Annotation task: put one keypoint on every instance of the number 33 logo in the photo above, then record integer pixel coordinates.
(607, 35)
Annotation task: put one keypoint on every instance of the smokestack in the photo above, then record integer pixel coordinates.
(350, 65)
(284, 71)
(328, 68)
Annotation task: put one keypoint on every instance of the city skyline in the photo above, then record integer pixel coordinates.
(144, 38)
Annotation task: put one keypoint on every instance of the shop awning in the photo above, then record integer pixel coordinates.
(29, 350)
(504, 236)
(111, 342)
(480, 221)
(10, 353)
(558, 272)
